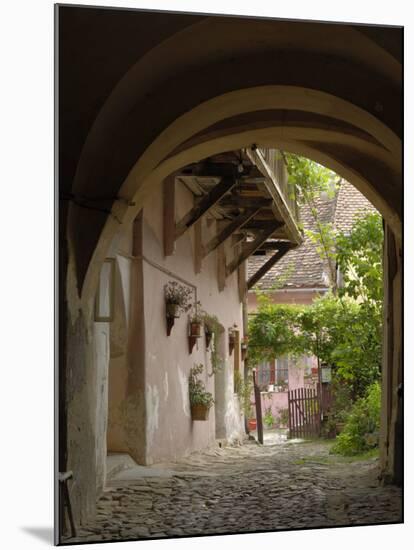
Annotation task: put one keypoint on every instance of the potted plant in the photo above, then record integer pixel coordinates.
(252, 423)
(201, 400)
(196, 321)
(211, 326)
(177, 299)
(232, 338)
(283, 418)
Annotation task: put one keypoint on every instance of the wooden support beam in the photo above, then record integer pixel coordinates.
(169, 215)
(221, 267)
(263, 224)
(198, 245)
(225, 233)
(273, 245)
(237, 201)
(251, 246)
(283, 248)
(274, 190)
(237, 239)
(258, 405)
(204, 205)
(242, 280)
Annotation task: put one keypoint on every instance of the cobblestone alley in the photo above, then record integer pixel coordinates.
(243, 489)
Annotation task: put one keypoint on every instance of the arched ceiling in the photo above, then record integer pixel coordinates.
(151, 90)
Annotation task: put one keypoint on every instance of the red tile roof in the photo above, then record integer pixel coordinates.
(302, 267)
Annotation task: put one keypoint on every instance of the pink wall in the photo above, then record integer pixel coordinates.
(298, 378)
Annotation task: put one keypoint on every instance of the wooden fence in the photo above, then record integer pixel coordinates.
(304, 413)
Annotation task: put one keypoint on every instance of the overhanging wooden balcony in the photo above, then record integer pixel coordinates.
(246, 193)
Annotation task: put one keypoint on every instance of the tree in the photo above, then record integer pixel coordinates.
(308, 180)
(359, 257)
(343, 328)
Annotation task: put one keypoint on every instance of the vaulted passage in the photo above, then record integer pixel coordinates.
(144, 99)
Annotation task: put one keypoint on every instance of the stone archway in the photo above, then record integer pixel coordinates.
(331, 93)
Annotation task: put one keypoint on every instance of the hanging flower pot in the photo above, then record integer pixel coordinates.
(177, 299)
(199, 412)
(232, 341)
(173, 310)
(200, 400)
(252, 423)
(195, 329)
(243, 350)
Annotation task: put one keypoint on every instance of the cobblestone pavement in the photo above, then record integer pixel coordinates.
(243, 489)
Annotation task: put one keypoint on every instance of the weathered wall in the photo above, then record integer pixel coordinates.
(278, 400)
(170, 431)
(81, 401)
(101, 341)
(391, 435)
(118, 366)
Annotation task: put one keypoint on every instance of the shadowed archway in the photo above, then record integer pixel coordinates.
(160, 94)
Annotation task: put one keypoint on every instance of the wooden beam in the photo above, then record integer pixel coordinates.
(169, 215)
(238, 201)
(242, 280)
(221, 267)
(198, 245)
(255, 278)
(237, 239)
(225, 233)
(204, 205)
(263, 224)
(273, 245)
(250, 247)
(274, 190)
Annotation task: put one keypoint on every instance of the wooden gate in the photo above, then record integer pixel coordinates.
(304, 413)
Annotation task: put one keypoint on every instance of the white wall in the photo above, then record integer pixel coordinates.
(170, 430)
(158, 365)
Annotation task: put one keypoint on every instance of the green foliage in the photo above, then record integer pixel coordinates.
(308, 181)
(284, 417)
(359, 257)
(196, 314)
(340, 332)
(243, 388)
(274, 331)
(268, 417)
(361, 430)
(213, 326)
(197, 389)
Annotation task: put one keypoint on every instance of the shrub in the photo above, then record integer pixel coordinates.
(268, 417)
(362, 426)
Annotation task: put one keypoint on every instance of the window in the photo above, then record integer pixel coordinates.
(265, 374)
(282, 371)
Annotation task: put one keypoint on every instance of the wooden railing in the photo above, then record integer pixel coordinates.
(276, 163)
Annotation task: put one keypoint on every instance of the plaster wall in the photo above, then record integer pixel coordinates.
(170, 432)
(278, 400)
(101, 344)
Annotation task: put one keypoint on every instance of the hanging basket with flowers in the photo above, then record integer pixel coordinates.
(177, 298)
(201, 400)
